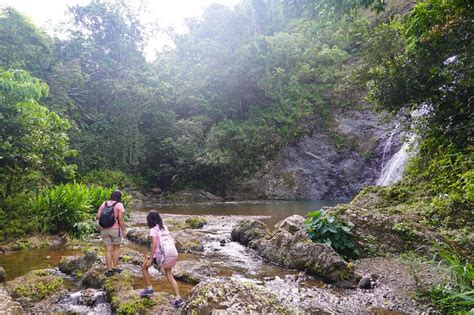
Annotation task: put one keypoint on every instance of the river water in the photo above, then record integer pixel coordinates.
(273, 211)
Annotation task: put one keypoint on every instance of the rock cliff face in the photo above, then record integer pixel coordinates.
(333, 164)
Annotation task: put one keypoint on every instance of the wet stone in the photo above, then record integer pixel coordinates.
(192, 271)
(76, 265)
(365, 283)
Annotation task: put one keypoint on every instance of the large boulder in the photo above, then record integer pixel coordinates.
(139, 235)
(231, 296)
(248, 232)
(293, 250)
(125, 300)
(192, 272)
(77, 265)
(292, 224)
(35, 285)
(95, 276)
(189, 241)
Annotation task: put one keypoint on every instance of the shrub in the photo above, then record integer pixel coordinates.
(15, 216)
(63, 208)
(69, 208)
(324, 228)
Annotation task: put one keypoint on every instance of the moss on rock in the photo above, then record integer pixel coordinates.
(36, 285)
(195, 222)
(125, 300)
(230, 296)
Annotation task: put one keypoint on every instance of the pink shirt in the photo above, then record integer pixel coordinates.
(117, 209)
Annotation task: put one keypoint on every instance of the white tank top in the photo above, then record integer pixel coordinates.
(166, 247)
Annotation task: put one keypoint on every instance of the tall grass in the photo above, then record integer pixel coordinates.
(458, 296)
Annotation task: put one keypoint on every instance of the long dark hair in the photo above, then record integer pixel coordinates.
(116, 196)
(153, 219)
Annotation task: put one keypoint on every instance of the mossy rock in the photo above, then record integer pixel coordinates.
(229, 296)
(36, 285)
(249, 231)
(195, 222)
(189, 245)
(77, 265)
(125, 300)
(118, 282)
(189, 241)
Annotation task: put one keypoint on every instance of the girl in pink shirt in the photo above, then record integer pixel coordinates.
(163, 254)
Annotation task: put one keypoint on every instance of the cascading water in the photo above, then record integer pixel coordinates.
(392, 171)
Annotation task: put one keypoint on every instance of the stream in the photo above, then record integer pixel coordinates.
(224, 257)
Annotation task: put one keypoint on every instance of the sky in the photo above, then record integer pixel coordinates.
(168, 13)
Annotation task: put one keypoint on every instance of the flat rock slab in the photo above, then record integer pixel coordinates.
(192, 272)
(231, 296)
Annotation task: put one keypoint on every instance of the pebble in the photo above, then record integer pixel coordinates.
(7, 305)
(365, 283)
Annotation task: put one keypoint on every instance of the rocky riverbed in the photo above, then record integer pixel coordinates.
(227, 263)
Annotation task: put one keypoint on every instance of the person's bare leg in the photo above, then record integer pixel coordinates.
(116, 254)
(146, 274)
(173, 283)
(109, 256)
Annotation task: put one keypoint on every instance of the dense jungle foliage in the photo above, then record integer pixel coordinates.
(241, 84)
(235, 89)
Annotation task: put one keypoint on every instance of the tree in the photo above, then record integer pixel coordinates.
(33, 140)
(22, 45)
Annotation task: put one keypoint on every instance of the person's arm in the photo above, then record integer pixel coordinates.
(122, 223)
(154, 245)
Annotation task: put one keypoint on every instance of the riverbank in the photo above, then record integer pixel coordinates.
(210, 263)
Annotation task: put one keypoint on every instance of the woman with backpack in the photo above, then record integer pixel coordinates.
(111, 219)
(163, 255)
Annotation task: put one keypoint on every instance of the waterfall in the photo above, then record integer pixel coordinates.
(392, 171)
(389, 143)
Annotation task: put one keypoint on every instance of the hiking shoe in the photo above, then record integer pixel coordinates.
(178, 303)
(117, 270)
(146, 293)
(109, 273)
